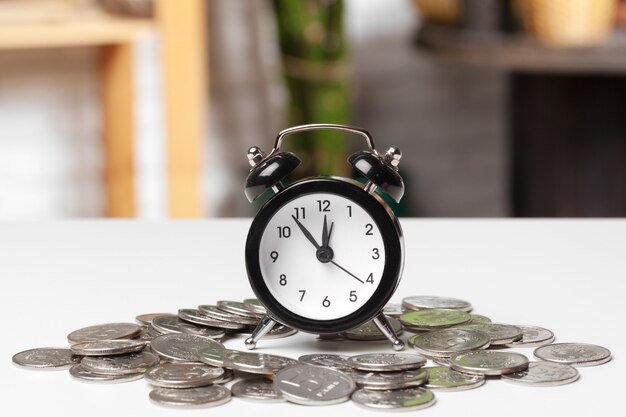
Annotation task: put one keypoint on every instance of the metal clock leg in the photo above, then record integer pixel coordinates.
(383, 325)
(264, 326)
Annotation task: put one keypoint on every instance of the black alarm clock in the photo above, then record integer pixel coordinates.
(324, 254)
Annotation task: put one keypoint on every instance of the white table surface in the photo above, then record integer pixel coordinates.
(568, 276)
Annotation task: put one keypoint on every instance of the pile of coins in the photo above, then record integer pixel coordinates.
(183, 360)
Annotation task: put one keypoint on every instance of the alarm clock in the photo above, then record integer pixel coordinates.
(324, 254)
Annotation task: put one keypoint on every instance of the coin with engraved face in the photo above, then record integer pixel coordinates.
(240, 309)
(182, 375)
(393, 310)
(219, 314)
(575, 354)
(182, 346)
(369, 331)
(259, 389)
(209, 396)
(328, 360)
(479, 318)
(109, 331)
(172, 324)
(46, 358)
(386, 361)
(489, 362)
(442, 378)
(213, 356)
(433, 319)
(146, 319)
(402, 399)
(107, 347)
(314, 385)
(544, 374)
(81, 374)
(390, 380)
(256, 363)
(533, 336)
(197, 317)
(420, 302)
(255, 305)
(500, 334)
(447, 342)
(120, 364)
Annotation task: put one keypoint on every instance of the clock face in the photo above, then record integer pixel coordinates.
(322, 256)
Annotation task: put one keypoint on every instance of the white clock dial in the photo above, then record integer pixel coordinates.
(304, 278)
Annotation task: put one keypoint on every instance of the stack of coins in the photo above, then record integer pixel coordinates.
(182, 358)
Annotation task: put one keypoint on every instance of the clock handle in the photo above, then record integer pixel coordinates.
(264, 326)
(324, 126)
(385, 328)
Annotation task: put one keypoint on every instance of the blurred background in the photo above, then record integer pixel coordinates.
(146, 108)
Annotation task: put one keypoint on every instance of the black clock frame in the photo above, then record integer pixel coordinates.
(391, 233)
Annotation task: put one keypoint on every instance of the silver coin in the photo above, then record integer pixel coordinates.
(501, 334)
(48, 358)
(478, 318)
(441, 361)
(328, 360)
(239, 308)
(182, 346)
(420, 302)
(390, 380)
(433, 319)
(575, 354)
(383, 362)
(120, 364)
(109, 331)
(489, 362)
(145, 336)
(442, 378)
(210, 396)
(256, 363)
(369, 331)
(80, 373)
(544, 374)
(393, 310)
(227, 376)
(408, 399)
(194, 316)
(280, 331)
(146, 319)
(260, 389)
(213, 356)
(314, 385)
(182, 375)
(107, 347)
(533, 336)
(255, 305)
(447, 342)
(219, 314)
(172, 324)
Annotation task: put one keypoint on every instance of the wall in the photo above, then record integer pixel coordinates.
(448, 120)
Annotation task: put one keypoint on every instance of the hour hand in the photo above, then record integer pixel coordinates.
(306, 233)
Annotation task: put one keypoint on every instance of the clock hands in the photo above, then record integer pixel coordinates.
(324, 252)
(347, 272)
(326, 233)
(306, 233)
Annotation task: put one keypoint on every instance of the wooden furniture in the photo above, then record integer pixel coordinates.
(566, 118)
(181, 27)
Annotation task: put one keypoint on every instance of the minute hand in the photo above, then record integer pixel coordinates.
(306, 233)
(347, 272)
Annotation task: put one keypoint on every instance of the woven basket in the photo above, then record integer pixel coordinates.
(568, 22)
(440, 11)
